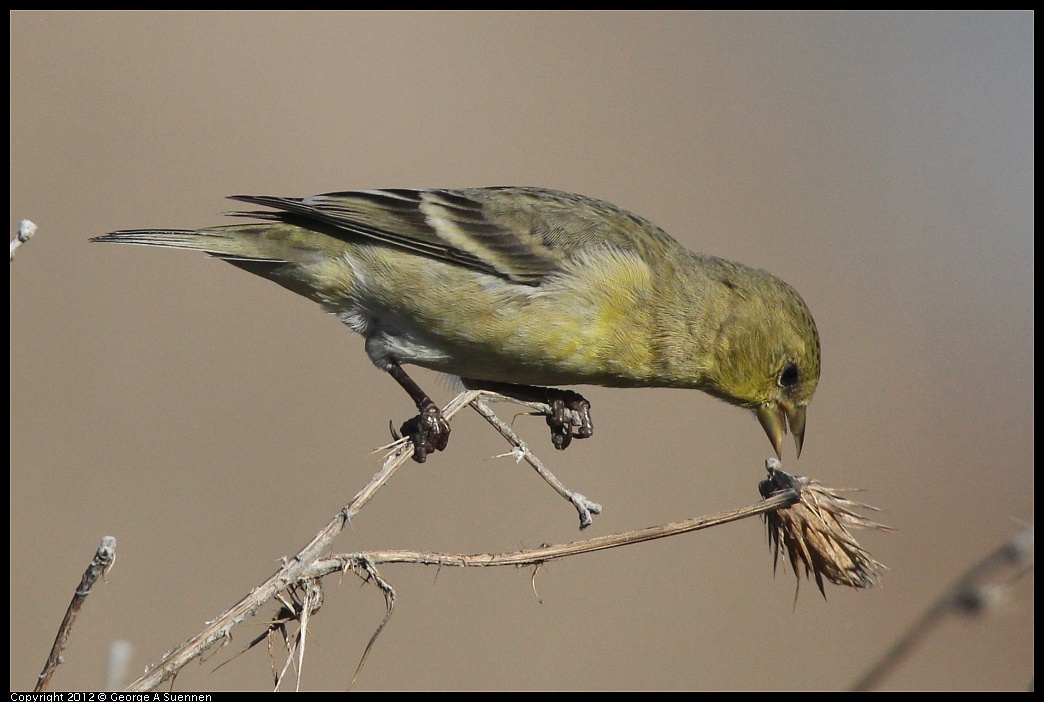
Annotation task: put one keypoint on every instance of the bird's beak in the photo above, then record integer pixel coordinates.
(774, 418)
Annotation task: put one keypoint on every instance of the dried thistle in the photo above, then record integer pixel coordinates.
(815, 531)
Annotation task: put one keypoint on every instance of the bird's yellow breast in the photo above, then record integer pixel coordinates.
(587, 324)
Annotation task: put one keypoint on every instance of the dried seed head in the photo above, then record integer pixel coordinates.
(815, 531)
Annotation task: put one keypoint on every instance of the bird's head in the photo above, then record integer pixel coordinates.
(768, 357)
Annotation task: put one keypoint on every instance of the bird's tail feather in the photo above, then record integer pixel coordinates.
(268, 242)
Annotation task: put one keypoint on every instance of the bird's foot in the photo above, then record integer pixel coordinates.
(428, 431)
(570, 417)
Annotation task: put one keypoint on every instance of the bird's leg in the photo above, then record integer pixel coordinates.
(570, 415)
(428, 431)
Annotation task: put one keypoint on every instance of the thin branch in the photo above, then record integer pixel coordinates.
(313, 601)
(103, 559)
(389, 607)
(584, 506)
(307, 566)
(368, 561)
(536, 556)
(289, 574)
(972, 593)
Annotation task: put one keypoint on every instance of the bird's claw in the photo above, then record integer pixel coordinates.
(570, 418)
(428, 431)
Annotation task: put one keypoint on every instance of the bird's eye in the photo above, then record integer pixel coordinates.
(788, 377)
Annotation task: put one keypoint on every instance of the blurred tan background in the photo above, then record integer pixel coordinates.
(213, 422)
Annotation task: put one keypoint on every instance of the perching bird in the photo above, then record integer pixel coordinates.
(516, 288)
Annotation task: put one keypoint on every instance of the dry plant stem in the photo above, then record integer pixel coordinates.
(26, 229)
(290, 573)
(367, 562)
(304, 565)
(968, 595)
(312, 601)
(102, 561)
(584, 506)
(536, 556)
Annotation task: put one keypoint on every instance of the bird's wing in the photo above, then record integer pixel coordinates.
(522, 234)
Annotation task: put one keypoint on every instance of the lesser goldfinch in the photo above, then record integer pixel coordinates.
(516, 288)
